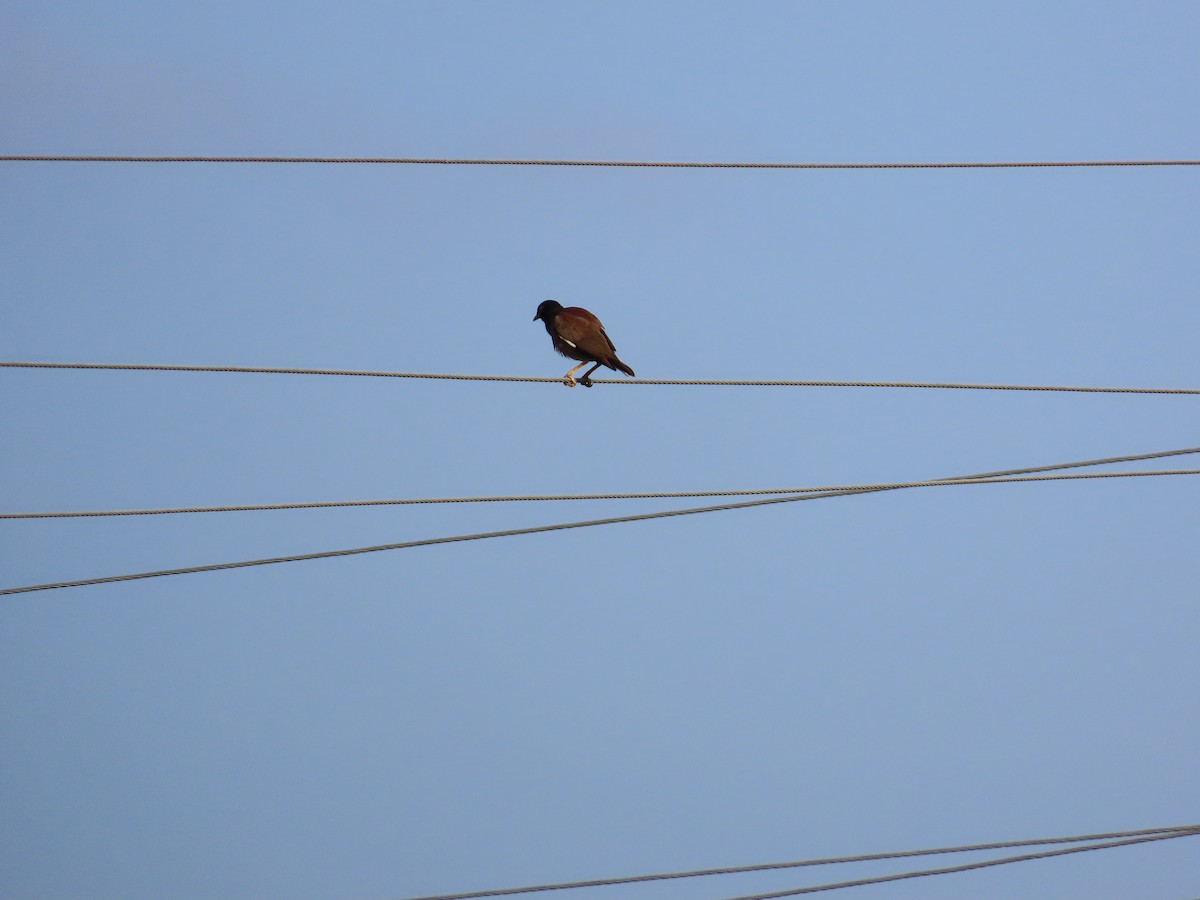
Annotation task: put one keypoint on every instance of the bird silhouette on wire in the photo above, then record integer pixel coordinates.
(577, 334)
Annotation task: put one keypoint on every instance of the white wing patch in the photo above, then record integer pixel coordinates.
(565, 341)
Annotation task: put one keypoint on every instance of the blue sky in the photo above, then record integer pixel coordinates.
(912, 669)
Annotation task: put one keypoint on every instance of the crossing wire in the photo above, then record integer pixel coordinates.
(522, 498)
(425, 542)
(967, 867)
(1171, 831)
(605, 163)
(707, 382)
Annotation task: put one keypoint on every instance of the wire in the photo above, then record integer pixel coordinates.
(515, 498)
(425, 542)
(710, 382)
(966, 867)
(608, 163)
(834, 860)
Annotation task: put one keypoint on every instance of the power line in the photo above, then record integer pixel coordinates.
(706, 382)
(520, 498)
(606, 163)
(966, 867)
(1173, 831)
(425, 542)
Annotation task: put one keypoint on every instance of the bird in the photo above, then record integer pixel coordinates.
(577, 334)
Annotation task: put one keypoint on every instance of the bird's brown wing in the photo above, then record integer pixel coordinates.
(584, 330)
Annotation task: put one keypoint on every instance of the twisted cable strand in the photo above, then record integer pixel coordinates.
(604, 163)
(1172, 831)
(705, 382)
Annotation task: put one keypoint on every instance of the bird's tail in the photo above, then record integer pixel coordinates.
(617, 364)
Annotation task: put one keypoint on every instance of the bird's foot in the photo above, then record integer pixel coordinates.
(585, 381)
(569, 381)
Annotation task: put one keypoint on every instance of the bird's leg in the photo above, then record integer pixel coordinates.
(585, 379)
(569, 378)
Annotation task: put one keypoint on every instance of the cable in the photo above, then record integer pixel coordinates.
(834, 860)
(515, 498)
(425, 542)
(708, 382)
(966, 867)
(608, 163)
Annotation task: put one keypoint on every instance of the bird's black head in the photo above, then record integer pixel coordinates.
(547, 310)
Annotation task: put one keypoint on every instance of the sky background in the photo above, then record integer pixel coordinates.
(901, 670)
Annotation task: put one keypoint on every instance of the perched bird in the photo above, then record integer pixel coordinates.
(577, 334)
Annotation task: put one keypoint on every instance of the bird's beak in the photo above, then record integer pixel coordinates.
(535, 318)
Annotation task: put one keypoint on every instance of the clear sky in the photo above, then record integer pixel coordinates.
(912, 669)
